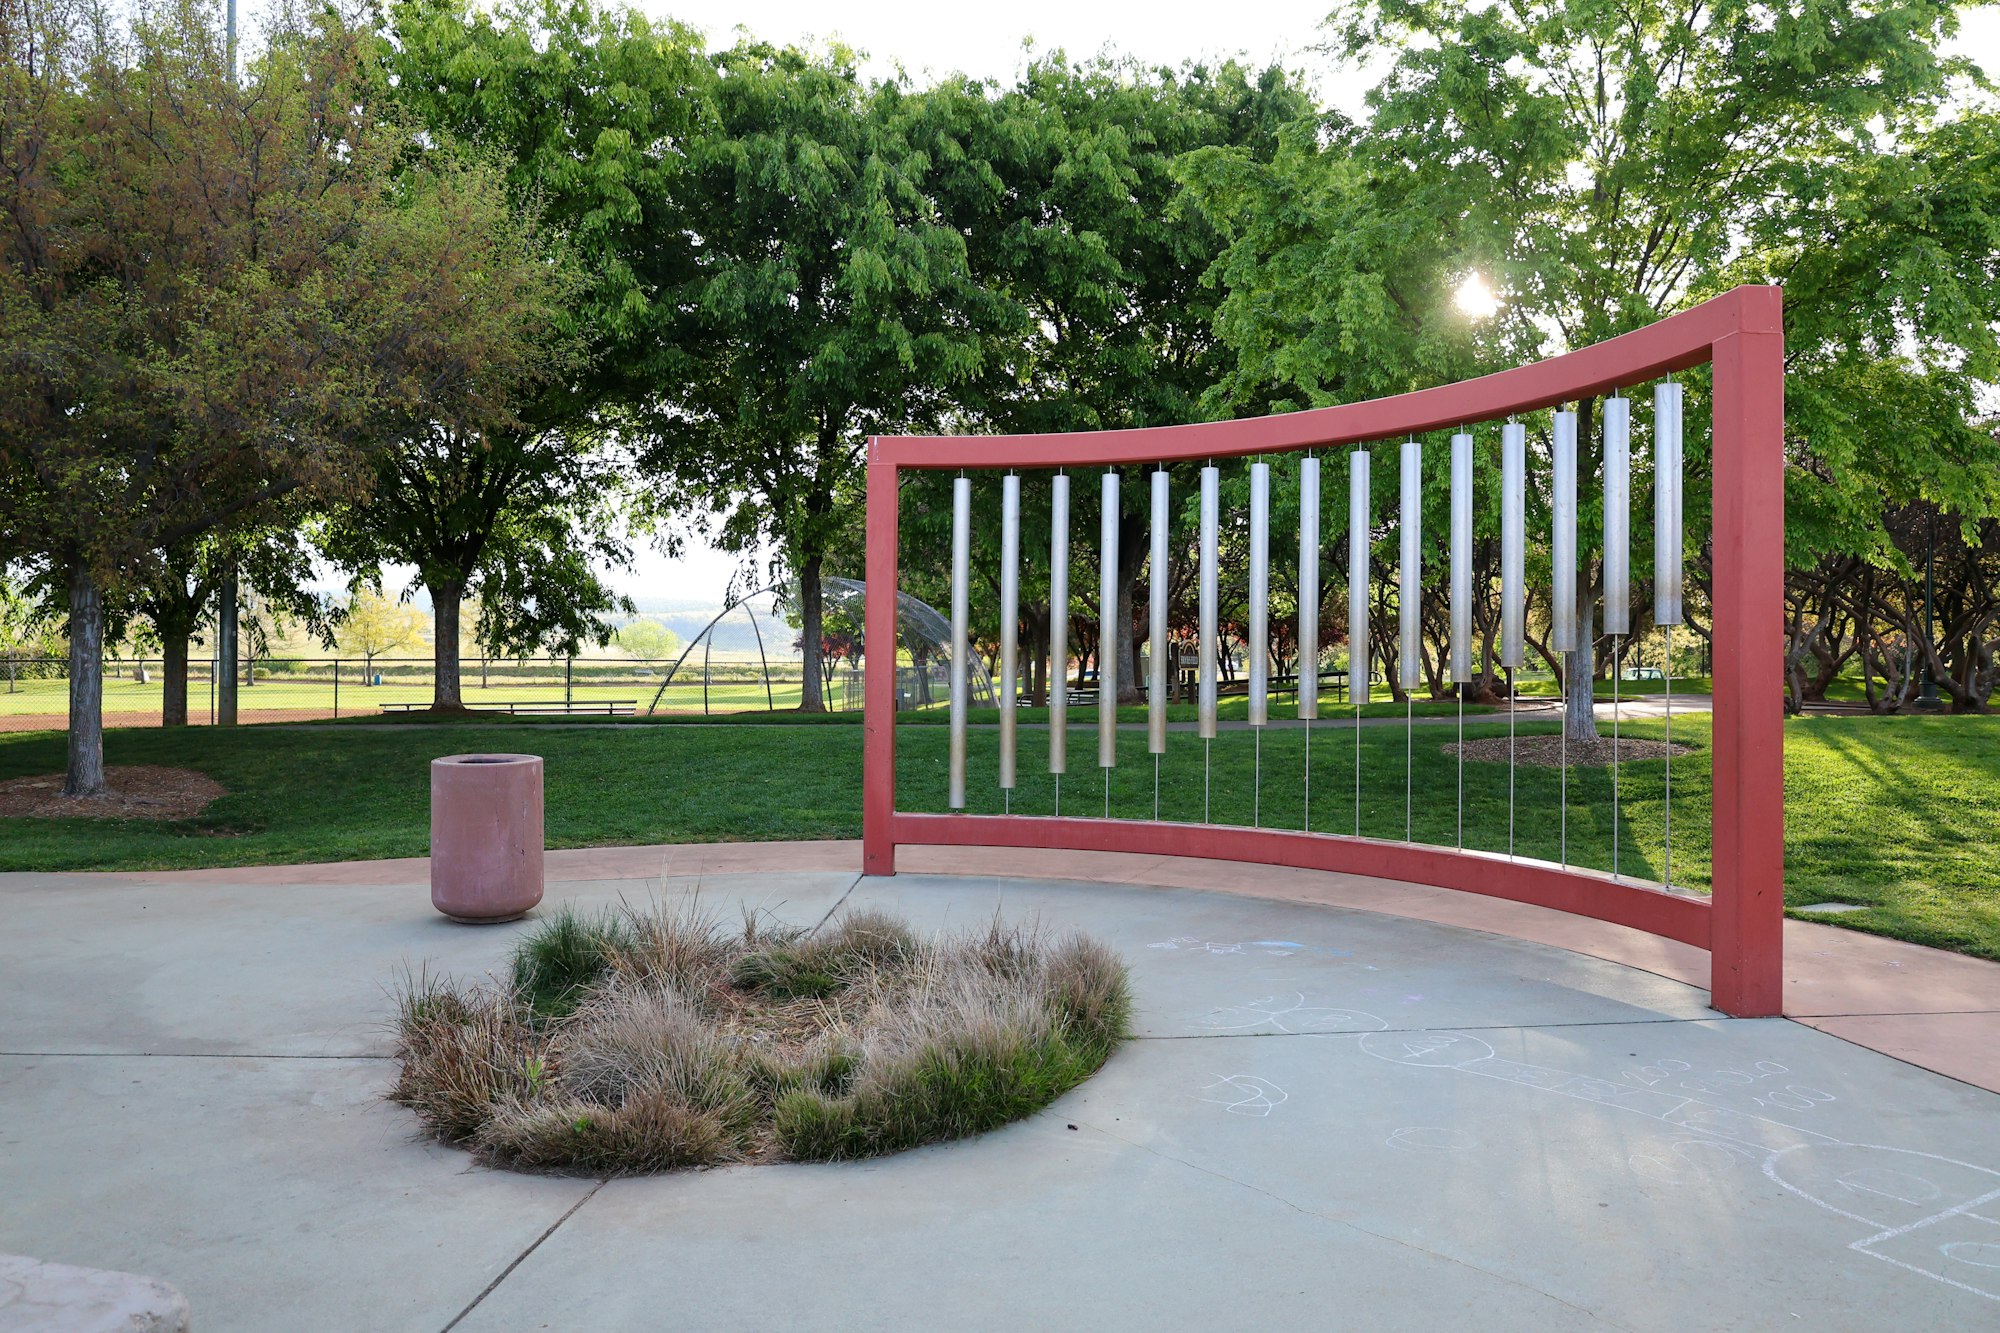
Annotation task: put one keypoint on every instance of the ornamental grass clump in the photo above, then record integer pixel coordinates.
(635, 1042)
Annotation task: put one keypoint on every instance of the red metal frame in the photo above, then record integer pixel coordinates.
(1741, 925)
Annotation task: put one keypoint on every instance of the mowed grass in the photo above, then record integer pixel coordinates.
(315, 696)
(1895, 814)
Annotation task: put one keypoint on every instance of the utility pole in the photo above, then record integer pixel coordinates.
(226, 611)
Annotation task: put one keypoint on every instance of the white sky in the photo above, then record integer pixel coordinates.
(987, 41)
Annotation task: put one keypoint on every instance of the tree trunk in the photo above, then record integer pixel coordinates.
(810, 699)
(1134, 538)
(85, 776)
(447, 693)
(174, 679)
(1580, 673)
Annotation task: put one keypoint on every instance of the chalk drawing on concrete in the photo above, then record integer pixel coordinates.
(1245, 1094)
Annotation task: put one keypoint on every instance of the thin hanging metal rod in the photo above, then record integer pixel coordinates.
(961, 558)
(1059, 630)
(1308, 705)
(1108, 630)
(1010, 630)
(1359, 519)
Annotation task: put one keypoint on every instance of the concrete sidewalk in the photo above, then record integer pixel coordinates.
(1330, 1117)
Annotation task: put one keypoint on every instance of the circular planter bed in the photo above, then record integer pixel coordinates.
(636, 1042)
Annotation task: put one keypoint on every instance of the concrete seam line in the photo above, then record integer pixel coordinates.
(507, 1272)
(1450, 1027)
(836, 905)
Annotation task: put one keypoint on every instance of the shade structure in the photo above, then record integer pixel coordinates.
(1010, 621)
(1107, 627)
(1461, 558)
(1159, 651)
(1513, 542)
(961, 646)
(1259, 645)
(1205, 695)
(1059, 624)
(1309, 588)
(1617, 515)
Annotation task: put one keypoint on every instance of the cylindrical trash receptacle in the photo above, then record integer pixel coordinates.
(486, 835)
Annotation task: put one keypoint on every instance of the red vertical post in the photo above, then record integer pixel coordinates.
(1746, 957)
(878, 752)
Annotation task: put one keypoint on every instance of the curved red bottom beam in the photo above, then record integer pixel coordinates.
(1584, 892)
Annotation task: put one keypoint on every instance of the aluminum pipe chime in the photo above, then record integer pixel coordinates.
(1205, 699)
(1358, 521)
(1107, 635)
(1562, 590)
(1059, 631)
(1308, 614)
(1158, 663)
(1513, 578)
(1461, 596)
(1667, 575)
(961, 559)
(1617, 575)
(1259, 635)
(1410, 616)
(1010, 625)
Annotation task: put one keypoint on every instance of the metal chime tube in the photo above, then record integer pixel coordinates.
(1513, 576)
(1667, 503)
(1309, 588)
(1156, 622)
(1059, 629)
(1205, 700)
(1667, 573)
(1358, 522)
(961, 559)
(1357, 574)
(1617, 516)
(1308, 616)
(1107, 629)
(1409, 614)
(1260, 593)
(1513, 540)
(1010, 621)
(1617, 566)
(1410, 589)
(1461, 596)
(1562, 590)
(1562, 540)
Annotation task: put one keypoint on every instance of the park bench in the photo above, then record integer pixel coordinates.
(555, 707)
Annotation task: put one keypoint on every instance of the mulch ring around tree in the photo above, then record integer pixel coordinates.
(1547, 751)
(132, 791)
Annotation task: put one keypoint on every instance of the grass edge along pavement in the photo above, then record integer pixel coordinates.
(1894, 815)
(643, 1040)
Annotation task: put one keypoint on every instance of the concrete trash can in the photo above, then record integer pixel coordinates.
(486, 835)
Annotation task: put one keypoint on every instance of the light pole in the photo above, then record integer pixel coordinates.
(1927, 692)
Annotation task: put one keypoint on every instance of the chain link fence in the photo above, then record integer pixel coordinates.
(34, 691)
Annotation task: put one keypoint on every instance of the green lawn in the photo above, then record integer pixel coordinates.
(1895, 813)
(278, 698)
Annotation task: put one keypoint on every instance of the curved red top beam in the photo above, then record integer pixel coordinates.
(1675, 343)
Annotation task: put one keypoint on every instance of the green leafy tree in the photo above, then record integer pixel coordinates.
(214, 295)
(832, 303)
(1603, 167)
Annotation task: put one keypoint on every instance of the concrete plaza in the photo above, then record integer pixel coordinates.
(1350, 1104)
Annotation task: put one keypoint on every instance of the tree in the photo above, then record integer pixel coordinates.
(212, 296)
(1600, 168)
(515, 502)
(647, 639)
(373, 625)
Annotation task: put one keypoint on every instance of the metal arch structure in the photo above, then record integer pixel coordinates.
(1740, 334)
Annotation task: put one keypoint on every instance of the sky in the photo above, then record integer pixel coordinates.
(987, 41)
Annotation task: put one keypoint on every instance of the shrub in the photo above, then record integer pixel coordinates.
(654, 1041)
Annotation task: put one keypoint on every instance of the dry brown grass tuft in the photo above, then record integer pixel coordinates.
(682, 1045)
